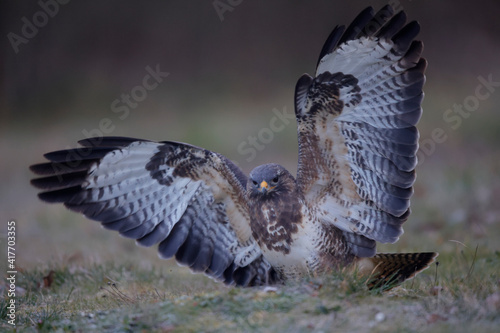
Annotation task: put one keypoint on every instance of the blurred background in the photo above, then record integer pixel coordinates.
(68, 67)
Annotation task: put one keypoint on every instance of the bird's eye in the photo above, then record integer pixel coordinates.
(255, 183)
(275, 179)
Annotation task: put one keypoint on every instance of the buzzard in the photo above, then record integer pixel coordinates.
(357, 138)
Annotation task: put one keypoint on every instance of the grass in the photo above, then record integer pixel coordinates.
(460, 294)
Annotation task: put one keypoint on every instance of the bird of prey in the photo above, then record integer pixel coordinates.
(356, 121)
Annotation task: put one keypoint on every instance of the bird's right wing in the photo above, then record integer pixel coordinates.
(187, 199)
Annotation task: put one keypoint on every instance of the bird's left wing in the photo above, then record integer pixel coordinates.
(187, 199)
(356, 127)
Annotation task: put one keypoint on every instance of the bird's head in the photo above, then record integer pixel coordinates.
(269, 179)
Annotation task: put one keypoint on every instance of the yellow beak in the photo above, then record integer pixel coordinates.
(264, 187)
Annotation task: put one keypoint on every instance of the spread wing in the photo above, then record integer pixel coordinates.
(356, 125)
(188, 200)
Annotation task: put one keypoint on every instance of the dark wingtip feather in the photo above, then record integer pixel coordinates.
(59, 168)
(108, 141)
(170, 245)
(243, 276)
(227, 276)
(405, 36)
(378, 21)
(412, 55)
(60, 181)
(61, 195)
(158, 234)
(421, 66)
(41, 168)
(358, 24)
(331, 42)
(393, 26)
(77, 154)
(188, 252)
(203, 259)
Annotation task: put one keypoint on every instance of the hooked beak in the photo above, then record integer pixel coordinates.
(264, 187)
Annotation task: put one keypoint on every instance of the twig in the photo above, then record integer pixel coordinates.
(70, 292)
(455, 241)
(436, 274)
(118, 294)
(471, 268)
(112, 294)
(121, 294)
(159, 296)
(413, 280)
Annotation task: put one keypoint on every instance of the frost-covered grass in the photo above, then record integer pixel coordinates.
(460, 295)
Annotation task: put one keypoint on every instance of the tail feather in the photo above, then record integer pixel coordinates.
(388, 270)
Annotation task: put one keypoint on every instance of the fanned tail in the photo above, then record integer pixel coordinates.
(388, 270)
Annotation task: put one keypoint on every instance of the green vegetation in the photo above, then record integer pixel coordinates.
(460, 294)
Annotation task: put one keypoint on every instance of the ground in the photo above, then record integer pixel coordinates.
(460, 295)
